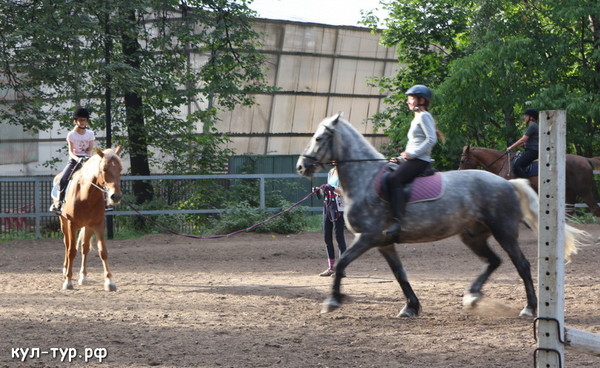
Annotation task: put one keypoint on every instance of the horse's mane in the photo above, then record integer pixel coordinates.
(93, 166)
(349, 129)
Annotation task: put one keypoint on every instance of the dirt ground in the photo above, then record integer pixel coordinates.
(253, 300)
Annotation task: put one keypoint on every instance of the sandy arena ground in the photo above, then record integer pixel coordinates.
(253, 300)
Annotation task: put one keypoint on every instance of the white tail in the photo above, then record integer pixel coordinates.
(574, 238)
(79, 244)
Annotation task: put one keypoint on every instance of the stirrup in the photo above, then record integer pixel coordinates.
(56, 209)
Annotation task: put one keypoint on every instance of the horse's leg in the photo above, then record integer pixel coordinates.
(570, 200)
(507, 237)
(589, 199)
(70, 253)
(475, 239)
(109, 284)
(83, 241)
(361, 243)
(412, 307)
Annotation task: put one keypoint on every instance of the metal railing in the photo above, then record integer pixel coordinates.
(24, 201)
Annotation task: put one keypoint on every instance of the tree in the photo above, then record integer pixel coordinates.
(489, 60)
(137, 65)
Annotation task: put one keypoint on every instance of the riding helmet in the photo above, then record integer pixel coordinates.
(81, 113)
(532, 112)
(420, 90)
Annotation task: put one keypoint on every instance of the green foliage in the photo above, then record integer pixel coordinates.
(242, 215)
(141, 225)
(55, 54)
(487, 61)
(582, 216)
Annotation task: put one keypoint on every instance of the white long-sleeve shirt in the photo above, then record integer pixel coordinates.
(421, 136)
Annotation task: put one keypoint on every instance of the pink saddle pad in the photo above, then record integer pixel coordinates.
(424, 188)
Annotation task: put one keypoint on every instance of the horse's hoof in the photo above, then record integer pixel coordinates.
(329, 305)
(110, 286)
(407, 312)
(526, 312)
(82, 280)
(67, 285)
(471, 299)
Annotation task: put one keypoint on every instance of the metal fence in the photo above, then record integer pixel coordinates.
(24, 201)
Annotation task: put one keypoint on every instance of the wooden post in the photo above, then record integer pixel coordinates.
(551, 224)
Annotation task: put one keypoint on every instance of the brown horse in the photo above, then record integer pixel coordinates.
(95, 185)
(595, 162)
(579, 172)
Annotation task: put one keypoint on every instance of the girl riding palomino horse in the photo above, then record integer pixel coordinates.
(81, 146)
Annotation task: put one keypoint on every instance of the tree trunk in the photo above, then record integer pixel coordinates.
(134, 120)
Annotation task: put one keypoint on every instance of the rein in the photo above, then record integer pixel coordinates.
(487, 167)
(221, 235)
(337, 162)
(103, 190)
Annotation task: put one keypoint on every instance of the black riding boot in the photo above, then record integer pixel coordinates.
(398, 202)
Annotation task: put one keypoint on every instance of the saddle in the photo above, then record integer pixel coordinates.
(54, 194)
(426, 187)
(531, 170)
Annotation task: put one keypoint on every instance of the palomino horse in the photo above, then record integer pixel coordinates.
(475, 205)
(96, 184)
(579, 174)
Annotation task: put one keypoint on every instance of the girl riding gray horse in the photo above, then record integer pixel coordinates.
(475, 205)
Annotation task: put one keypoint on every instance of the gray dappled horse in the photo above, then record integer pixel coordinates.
(475, 205)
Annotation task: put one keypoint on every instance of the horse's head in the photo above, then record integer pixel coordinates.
(109, 177)
(320, 148)
(466, 159)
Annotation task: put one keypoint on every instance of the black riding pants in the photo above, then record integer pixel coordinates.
(523, 161)
(406, 172)
(328, 229)
(66, 175)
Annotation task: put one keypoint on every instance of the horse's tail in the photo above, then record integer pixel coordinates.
(595, 162)
(528, 200)
(79, 245)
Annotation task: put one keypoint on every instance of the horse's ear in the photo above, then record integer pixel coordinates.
(99, 152)
(118, 150)
(337, 117)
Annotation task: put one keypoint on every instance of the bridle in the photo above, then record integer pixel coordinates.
(466, 157)
(330, 132)
(101, 186)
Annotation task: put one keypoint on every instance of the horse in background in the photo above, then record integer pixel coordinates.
(92, 187)
(595, 162)
(579, 174)
(475, 205)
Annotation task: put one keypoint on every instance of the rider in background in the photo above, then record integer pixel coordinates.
(531, 140)
(81, 145)
(416, 158)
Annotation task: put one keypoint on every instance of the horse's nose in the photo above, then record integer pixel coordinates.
(116, 197)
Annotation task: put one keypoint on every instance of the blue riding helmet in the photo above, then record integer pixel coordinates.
(420, 90)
